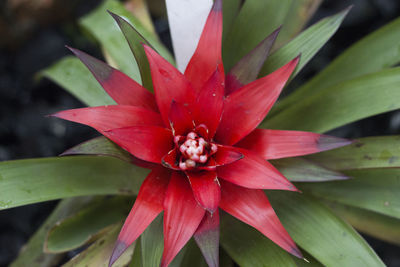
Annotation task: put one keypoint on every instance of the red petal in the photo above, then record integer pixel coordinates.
(210, 103)
(207, 56)
(105, 118)
(275, 144)
(180, 119)
(148, 204)
(169, 84)
(253, 208)
(206, 189)
(248, 68)
(169, 160)
(207, 238)
(245, 108)
(182, 216)
(149, 143)
(226, 155)
(254, 172)
(118, 85)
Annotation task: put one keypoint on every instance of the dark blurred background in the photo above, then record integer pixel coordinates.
(32, 36)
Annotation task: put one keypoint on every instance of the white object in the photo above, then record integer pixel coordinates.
(186, 21)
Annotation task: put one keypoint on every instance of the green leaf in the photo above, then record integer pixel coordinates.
(99, 253)
(308, 261)
(230, 9)
(35, 180)
(342, 103)
(103, 27)
(379, 50)
(193, 256)
(371, 223)
(299, 14)
(372, 189)
(84, 226)
(32, 253)
(73, 76)
(152, 243)
(248, 247)
(136, 41)
(262, 17)
(318, 231)
(301, 170)
(99, 146)
(307, 43)
(369, 152)
(137, 255)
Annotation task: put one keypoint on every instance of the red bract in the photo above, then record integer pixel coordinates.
(201, 141)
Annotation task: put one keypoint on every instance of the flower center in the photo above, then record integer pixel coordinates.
(194, 150)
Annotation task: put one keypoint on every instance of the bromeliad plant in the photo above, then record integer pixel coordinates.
(197, 135)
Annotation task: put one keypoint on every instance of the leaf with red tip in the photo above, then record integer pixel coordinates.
(180, 119)
(248, 68)
(253, 208)
(207, 56)
(135, 41)
(118, 85)
(182, 216)
(169, 84)
(105, 118)
(149, 143)
(226, 155)
(254, 172)
(276, 144)
(207, 238)
(210, 103)
(245, 108)
(206, 189)
(148, 204)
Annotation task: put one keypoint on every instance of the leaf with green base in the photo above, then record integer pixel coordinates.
(379, 50)
(86, 225)
(36, 180)
(248, 247)
(318, 231)
(307, 43)
(369, 152)
(371, 223)
(262, 17)
(371, 189)
(342, 104)
(99, 253)
(75, 78)
(32, 253)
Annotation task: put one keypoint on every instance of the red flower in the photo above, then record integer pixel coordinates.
(199, 137)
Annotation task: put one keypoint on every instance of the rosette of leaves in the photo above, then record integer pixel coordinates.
(344, 190)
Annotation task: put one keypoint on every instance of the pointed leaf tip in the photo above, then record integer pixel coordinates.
(326, 142)
(118, 250)
(217, 6)
(248, 68)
